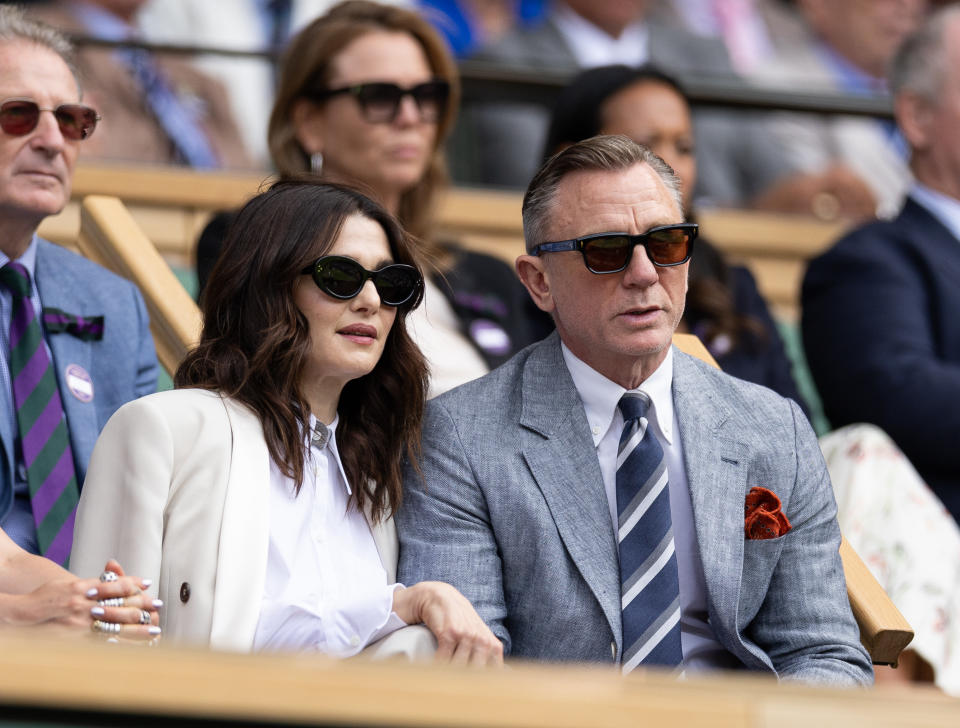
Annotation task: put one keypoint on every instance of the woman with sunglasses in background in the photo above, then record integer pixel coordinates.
(724, 308)
(258, 495)
(368, 93)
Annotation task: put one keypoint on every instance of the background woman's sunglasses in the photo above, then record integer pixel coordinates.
(380, 102)
(21, 116)
(397, 284)
(666, 245)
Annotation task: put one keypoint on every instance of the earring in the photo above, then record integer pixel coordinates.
(316, 163)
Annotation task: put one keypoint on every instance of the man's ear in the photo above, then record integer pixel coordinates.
(534, 277)
(913, 114)
(308, 125)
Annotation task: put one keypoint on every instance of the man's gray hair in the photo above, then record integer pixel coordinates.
(597, 154)
(919, 63)
(15, 25)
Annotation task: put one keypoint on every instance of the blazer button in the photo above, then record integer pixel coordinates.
(185, 592)
(613, 645)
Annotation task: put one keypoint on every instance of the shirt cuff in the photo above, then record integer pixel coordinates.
(392, 622)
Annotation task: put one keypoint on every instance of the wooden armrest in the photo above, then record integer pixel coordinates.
(111, 237)
(883, 630)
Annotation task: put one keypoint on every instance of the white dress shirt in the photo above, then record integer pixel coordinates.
(326, 588)
(600, 397)
(945, 209)
(593, 47)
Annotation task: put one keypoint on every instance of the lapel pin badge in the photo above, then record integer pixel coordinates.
(79, 382)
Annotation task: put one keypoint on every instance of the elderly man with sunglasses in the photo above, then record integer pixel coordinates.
(74, 337)
(589, 496)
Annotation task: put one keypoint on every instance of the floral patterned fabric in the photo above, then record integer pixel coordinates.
(907, 538)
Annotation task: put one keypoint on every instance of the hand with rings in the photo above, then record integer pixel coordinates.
(36, 591)
(122, 609)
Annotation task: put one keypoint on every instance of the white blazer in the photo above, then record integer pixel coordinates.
(176, 491)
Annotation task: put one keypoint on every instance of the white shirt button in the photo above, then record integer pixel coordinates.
(595, 430)
(613, 650)
(354, 641)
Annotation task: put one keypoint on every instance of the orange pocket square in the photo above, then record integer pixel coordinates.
(762, 515)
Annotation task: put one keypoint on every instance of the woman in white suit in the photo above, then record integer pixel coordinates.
(258, 494)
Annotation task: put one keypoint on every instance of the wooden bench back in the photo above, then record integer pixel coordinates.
(172, 205)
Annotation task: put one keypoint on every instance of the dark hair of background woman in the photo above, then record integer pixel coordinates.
(578, 115)
(255, 340)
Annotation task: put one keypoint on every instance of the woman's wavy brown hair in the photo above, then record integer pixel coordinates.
(255, 340)
(306, 67)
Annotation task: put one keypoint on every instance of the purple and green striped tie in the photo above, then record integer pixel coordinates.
(44, 441)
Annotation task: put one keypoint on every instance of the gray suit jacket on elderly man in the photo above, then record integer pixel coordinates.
(513, 513)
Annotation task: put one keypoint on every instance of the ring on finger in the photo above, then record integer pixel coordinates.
(112, 602)
(144, 616)
(108, 576)
(105, 627)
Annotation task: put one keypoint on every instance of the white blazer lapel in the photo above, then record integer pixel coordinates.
(244, 535)
(388, 546)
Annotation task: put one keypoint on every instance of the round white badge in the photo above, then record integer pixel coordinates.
(79, 382)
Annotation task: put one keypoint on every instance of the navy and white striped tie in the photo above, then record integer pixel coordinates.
(649, 584)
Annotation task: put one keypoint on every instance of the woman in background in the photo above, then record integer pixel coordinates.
(367, 94)
(261, 490)
(724, 308)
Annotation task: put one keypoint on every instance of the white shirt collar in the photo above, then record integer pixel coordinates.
(600, 395)
(331, 446)
(592, 47)
(945, 209)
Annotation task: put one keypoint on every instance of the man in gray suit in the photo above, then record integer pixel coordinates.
(588, 496)
(74, 338)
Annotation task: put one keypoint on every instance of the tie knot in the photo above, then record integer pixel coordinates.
(634, 405)
(16, 278)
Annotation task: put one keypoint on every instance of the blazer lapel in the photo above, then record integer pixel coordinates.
(59, 288)
(388, 546)
(244, 534)
(562, 459)
(716, 475)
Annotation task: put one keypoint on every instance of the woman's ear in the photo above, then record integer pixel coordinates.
(535, 278)
(308, 125)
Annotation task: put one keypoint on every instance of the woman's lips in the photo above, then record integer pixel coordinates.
(359, 333)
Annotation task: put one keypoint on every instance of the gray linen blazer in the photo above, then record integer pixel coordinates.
(511, 510)
(122, 365)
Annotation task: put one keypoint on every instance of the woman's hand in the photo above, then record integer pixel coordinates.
(75, 603)
(462, 637)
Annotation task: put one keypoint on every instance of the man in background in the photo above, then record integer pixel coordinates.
(881, 309)
(75, 340)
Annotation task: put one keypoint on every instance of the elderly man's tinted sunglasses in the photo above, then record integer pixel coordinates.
(666, 245)
(380, 101)
(21, 116)
(397, 284)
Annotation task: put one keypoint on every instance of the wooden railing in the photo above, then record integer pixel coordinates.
(110, 236)
(172, 205)
(76, 683)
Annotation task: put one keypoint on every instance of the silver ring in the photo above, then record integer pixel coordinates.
(144, 616)
(108, 576)
(112, 602)
(105, 627)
